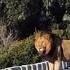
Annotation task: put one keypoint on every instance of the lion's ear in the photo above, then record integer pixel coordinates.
(36, 36)
(36, 33)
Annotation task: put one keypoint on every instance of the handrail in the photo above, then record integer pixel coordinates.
(38, 66)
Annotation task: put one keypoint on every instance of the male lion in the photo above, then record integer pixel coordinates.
(53, 49)
(44, 45)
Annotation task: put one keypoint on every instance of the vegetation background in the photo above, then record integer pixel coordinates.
(19, 19)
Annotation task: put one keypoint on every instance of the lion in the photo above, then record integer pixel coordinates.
(44, 46)
(53, 49)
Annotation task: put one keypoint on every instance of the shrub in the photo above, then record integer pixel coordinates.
(6, 38)
(23, 53)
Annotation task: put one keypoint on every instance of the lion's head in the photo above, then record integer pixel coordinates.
(43, 42)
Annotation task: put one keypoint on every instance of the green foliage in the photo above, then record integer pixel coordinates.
(23, 53)
(17, 10)
(14, 10)
(68, 8)
(28, 13)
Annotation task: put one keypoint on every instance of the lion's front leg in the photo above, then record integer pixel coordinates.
(50, 66)
(57, 65)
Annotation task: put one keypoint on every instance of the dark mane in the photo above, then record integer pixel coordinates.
(53, 54)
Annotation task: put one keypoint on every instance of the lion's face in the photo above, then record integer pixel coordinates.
(43, 42)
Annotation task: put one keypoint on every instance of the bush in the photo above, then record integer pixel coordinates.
(23, 52)
(68, 8)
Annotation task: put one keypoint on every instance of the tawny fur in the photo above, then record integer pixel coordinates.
(65, 45)
(43, 42)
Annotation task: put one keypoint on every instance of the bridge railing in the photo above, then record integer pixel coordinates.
(38, 66)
